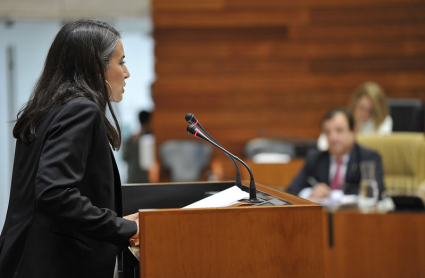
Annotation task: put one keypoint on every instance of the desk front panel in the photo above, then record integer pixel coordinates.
(374, 245)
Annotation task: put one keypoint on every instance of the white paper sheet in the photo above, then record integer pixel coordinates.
(224, 198)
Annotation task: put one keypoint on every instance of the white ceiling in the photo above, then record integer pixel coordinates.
(72, 9)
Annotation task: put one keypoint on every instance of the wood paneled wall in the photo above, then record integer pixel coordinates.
(245, 66)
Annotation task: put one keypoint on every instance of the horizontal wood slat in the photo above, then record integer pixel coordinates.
(400, 64)
(208, 5)
(309, 4)
(278, 68)
(274, 51)
(245, 34)
(226, 68)
(400, 80)
(381, 32)
(183, 5)
(293, 96)
(368, 15)
(231, 18)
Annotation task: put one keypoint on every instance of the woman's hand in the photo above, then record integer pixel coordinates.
(134, 217)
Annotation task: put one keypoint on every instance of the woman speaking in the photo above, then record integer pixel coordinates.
(65, 211)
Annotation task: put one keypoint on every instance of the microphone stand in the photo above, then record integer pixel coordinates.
(191, 119)
(191, 129)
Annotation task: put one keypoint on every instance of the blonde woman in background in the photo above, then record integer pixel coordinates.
(370, 111)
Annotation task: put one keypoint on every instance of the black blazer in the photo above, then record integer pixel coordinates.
(317, 166)
(65, 200)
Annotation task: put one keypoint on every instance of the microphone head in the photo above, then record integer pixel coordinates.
(190, 118)
(191, 129)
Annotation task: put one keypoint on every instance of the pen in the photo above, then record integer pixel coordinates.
(312, 181)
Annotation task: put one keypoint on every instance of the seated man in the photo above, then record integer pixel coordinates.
(338, 168)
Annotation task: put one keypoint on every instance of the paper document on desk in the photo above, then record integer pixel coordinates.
(224, 198)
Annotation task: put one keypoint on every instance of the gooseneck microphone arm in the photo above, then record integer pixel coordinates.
(191, 119)
(193, 130)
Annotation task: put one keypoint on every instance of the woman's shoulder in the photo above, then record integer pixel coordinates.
(388, 119)
(79, 109)
(82, 103)
(386, 126)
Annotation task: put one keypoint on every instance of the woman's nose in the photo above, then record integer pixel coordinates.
(127, 73)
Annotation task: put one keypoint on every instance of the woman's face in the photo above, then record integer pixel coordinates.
(116, 74)
(363, 109)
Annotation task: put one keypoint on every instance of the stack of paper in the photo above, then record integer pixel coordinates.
(224, 198)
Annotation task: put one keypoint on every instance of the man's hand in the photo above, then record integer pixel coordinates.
(134, 217)
(320, 191)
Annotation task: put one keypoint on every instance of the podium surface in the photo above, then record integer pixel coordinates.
(248, 241)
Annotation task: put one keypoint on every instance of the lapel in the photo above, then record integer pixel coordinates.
(117, 185)
(353, 172)
(322, 170)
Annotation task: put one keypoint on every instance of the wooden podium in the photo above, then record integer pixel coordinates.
(249, 241)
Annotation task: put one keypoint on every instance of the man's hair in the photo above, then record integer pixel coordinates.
(144, 117)
(333, 112)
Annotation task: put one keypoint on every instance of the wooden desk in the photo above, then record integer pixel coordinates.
(374, 245)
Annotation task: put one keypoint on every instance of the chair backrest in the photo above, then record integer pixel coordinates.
(185, 159)
(262, 145)
(403, 158)
(407, 114)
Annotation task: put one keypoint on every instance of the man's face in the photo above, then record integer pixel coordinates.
(340, 137)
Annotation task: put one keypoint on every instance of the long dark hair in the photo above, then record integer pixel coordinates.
(75, 67)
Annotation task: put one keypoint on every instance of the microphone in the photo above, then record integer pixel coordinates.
(191, 119)
(193, 130)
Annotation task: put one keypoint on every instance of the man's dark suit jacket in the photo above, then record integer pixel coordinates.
(65, 199)
(317, 166)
